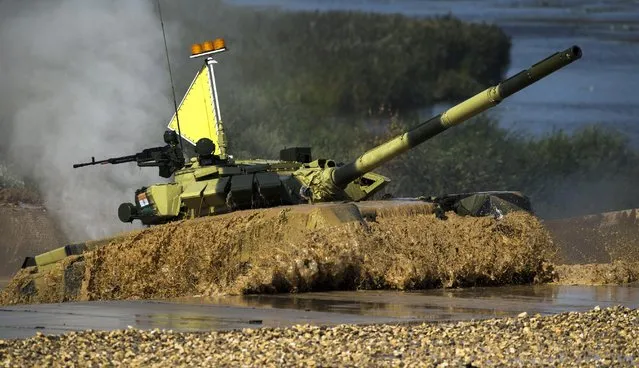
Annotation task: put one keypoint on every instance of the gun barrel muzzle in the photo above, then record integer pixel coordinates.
(547, 66)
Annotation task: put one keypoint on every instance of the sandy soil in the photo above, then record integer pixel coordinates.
(614, 273)
(27, 229)
(18, 196)
(600, 238)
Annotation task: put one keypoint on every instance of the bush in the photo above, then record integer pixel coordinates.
(348, 62)
(287, 73)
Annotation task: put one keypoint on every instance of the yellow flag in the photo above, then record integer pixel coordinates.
(197, 112)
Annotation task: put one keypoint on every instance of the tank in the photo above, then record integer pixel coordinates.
(323, 191)
(213, 182)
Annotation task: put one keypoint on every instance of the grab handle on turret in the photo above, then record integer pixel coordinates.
(455, 115)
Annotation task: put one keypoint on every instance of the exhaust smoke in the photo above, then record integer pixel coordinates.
(82, 78)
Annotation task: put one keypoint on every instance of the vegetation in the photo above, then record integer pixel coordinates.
(298, 78)
(345, 62)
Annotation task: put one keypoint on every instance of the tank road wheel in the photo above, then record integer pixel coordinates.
(127, 212)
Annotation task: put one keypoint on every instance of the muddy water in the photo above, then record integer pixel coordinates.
(202, 314)
(600, 88)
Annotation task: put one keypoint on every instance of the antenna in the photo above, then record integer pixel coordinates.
(168, 63)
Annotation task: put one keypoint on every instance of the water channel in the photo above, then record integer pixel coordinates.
(328, 308)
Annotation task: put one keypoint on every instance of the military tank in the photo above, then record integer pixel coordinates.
(213, 182)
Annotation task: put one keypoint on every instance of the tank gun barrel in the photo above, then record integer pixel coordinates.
(453, 116)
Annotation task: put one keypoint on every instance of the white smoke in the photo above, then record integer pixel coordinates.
(82, 78)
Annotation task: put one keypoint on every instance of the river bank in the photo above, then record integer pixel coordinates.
(600, 337)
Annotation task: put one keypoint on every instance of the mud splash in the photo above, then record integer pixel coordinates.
(258, 252)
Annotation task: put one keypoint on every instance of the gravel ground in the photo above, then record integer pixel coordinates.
(600, 337)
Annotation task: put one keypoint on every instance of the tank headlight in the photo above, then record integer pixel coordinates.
(208, 47)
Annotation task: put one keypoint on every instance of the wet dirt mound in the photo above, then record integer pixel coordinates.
(597, 249)
(26, 228)
(257, 252)
(600, 238)
(614, 273)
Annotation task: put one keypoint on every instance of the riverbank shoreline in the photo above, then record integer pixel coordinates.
(597, 337)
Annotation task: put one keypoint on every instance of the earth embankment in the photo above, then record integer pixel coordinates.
(26, 229)
(597, 249)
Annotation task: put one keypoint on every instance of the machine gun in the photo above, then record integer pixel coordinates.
(168, 158)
